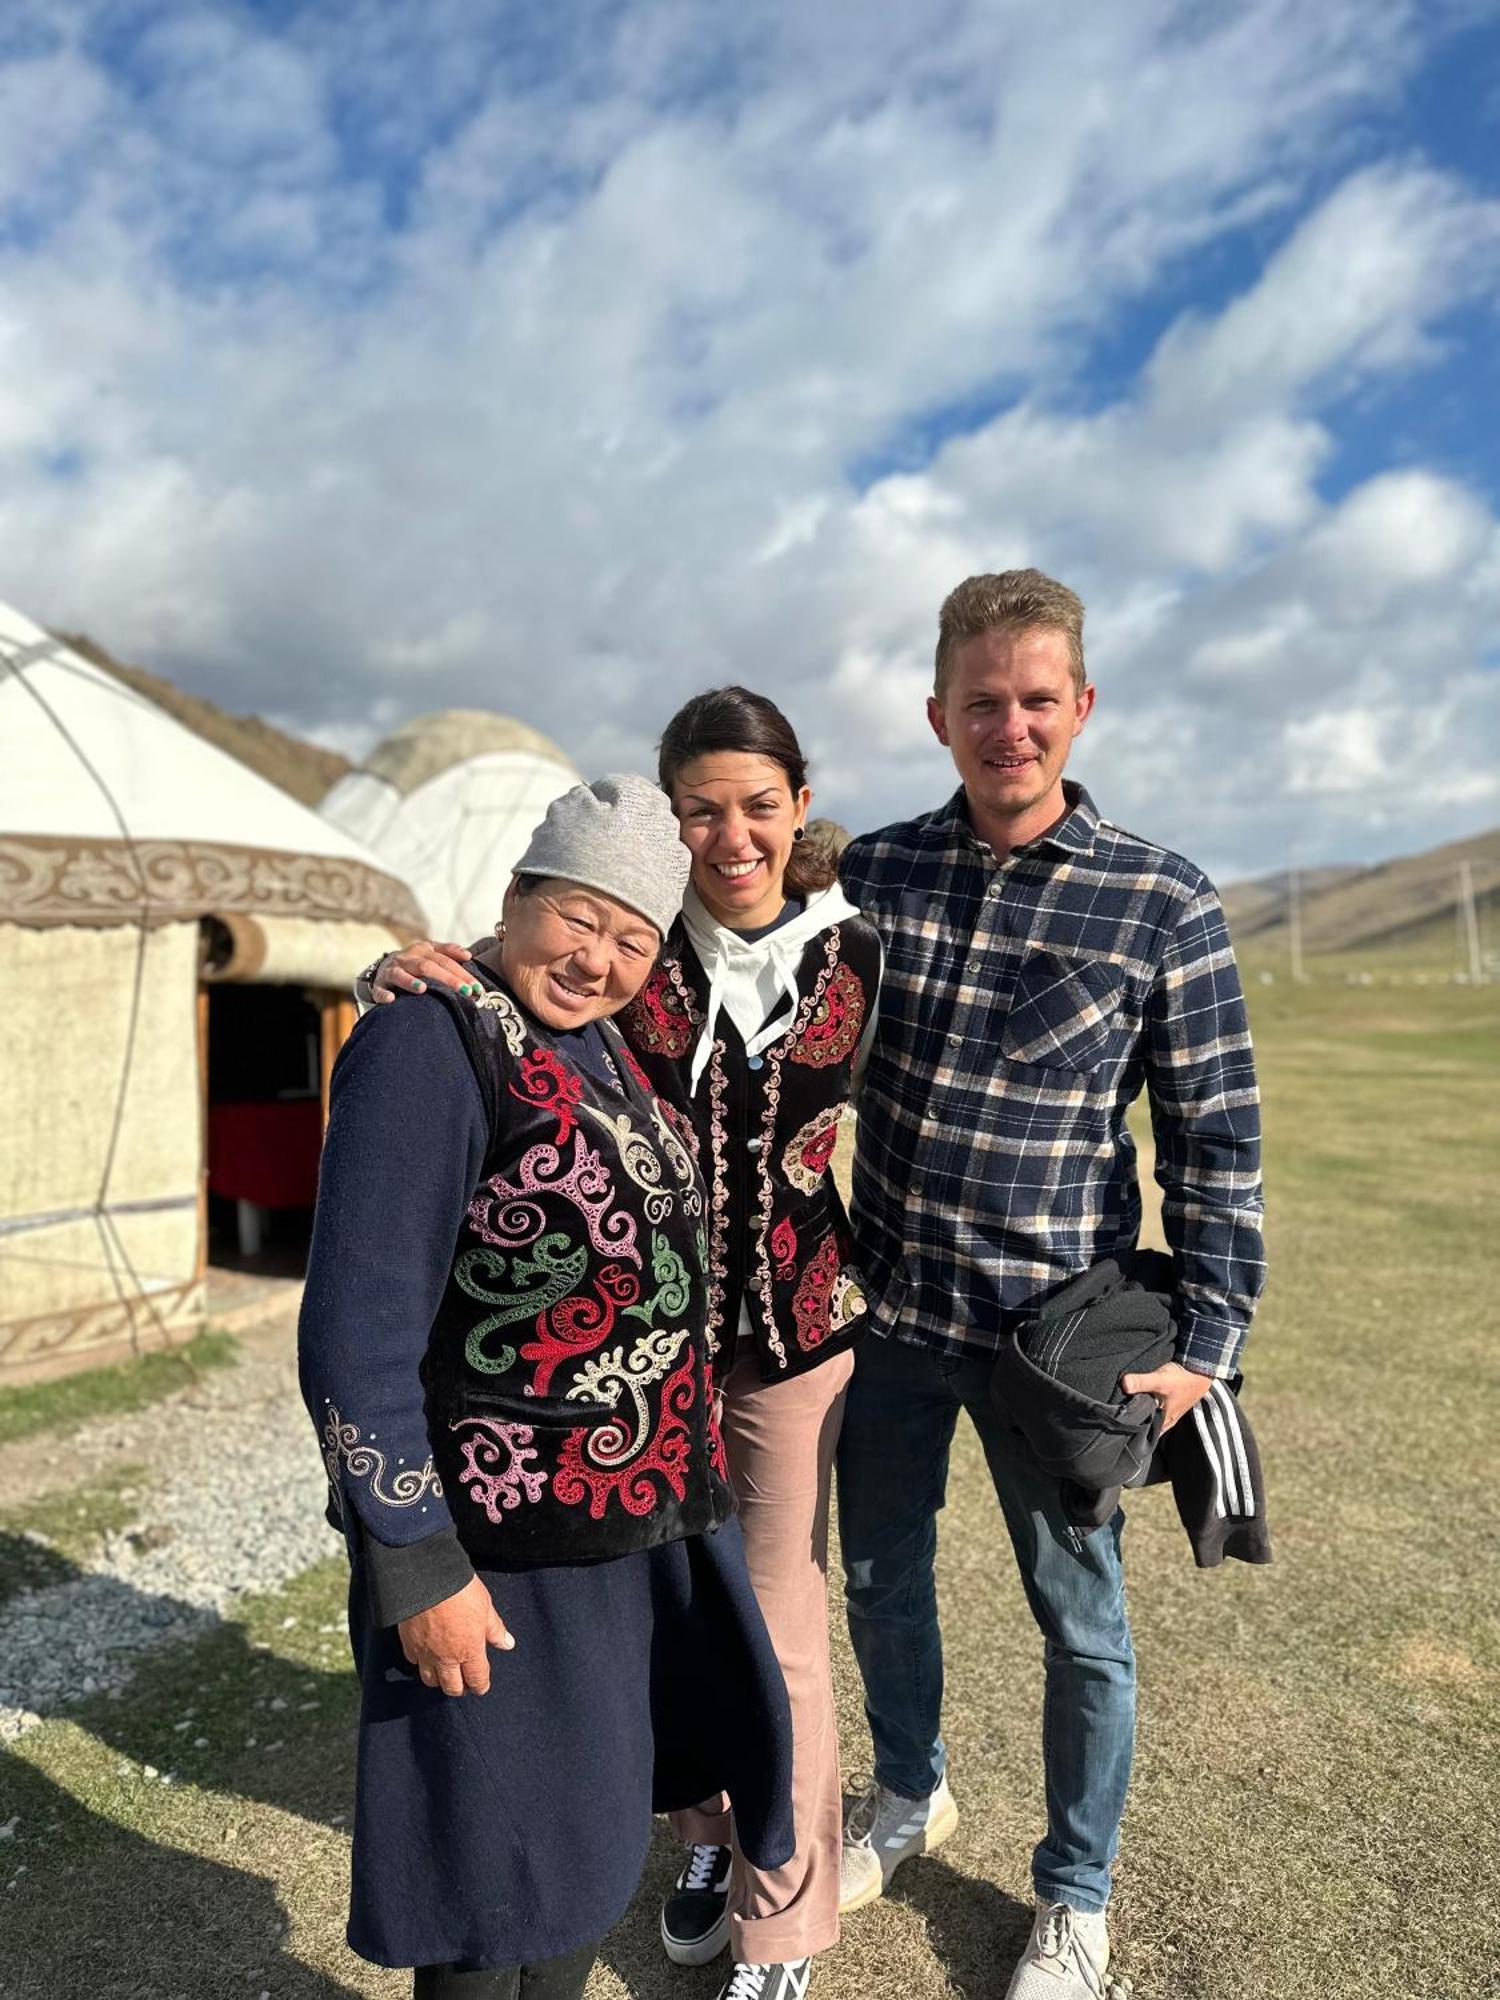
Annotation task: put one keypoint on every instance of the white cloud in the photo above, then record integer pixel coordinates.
(422, 357)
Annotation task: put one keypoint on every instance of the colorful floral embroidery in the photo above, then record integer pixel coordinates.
(498, 1484)
(834, 1029)
(848, 1302)
(659, 1019)
(579, 1324)
(500, 1208)
(608, 1459)
(812, 1300)
(343, 1443)
(805, 1160)
(537, 1282)
(508, 1014)
(674, 1286)
(546, 1080)
(784, 1249)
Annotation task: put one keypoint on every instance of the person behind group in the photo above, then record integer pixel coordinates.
(1041, 966)
(756, 1011)
(504, 1349)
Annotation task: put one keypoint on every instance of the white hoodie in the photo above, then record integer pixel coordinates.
(754, 981)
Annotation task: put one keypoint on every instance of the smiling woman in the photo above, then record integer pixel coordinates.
(505, 1351)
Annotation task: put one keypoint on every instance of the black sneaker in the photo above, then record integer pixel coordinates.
(695, 1917)
(768, 1982)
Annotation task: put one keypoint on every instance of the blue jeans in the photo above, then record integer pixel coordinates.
(892, 1474)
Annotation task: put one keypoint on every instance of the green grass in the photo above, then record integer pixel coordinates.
(1317, 1798)
(44, 1541)
(97, 1392)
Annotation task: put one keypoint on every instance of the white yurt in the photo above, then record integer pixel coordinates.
(448, 803)
(177, 941)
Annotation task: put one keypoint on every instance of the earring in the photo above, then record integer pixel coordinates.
(799, 833)
(500, 931)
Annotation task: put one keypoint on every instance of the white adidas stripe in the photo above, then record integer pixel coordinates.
(1205, 1438)
(1231, 1410)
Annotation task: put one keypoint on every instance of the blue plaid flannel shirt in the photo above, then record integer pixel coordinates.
(1023, 1007)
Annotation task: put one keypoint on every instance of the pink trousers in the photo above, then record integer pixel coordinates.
(781, 1438)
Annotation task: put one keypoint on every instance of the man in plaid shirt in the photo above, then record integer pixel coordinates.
(1041, 968)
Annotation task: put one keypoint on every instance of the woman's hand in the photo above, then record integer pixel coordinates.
(449, 1643)
(421, 965)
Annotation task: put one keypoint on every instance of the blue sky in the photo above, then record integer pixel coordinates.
(359, 359)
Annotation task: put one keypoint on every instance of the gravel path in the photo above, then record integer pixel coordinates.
(232, 1502)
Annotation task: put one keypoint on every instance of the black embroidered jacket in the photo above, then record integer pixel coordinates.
(778, 1237)
(565, 1377)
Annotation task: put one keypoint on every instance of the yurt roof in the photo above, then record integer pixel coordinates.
(429, 744)
(113, 812)
(450, 801)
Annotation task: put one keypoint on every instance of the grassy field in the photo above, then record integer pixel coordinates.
(1317, 1801)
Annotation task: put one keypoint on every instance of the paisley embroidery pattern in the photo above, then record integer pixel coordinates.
(607, 1460)
(659, 1019)
(674, 1286)
(512, 1027)
(501, 1205)
(848, 1302)
(546, 1080)
(805, 1160)
(553, 1261)
(497, 1464)
(813, 1298)
(837, 1022)
(343, 1443)
(639, 1158)
(784, 1249)
(579, 1324)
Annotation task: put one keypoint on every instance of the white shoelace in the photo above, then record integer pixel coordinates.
(1062, 1941)
(703, 1865)
(748, 1983)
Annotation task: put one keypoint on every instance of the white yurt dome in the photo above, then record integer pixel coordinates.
(140, 868)
(449, 802)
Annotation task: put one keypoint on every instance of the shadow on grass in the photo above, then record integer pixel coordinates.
(977, 1932)
(205, 1703)
(118, 1914)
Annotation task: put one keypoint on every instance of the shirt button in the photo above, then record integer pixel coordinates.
(754, 1062)
(993, 890)
(955, 1041)
(753, 1145)
(972, 965)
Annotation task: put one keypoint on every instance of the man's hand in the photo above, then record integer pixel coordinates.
(421, 965)
(448, 1643)
(1176, 1388)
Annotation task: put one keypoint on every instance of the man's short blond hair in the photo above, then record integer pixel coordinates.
(1011, 600)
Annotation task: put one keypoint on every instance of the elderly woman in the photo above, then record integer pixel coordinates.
(504, 1351)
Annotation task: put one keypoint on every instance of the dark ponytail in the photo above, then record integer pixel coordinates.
(734, 719)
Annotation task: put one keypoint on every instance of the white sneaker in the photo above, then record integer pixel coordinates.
(768, 1982)
(1066, 1958)
(881, 1830)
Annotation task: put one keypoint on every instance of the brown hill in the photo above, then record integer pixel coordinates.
(1263, 901)
(1416, 895)
(306, 770)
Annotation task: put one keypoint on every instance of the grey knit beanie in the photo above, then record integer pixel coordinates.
(618, 835)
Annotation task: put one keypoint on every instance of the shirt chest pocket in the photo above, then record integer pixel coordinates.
(1061, 1012)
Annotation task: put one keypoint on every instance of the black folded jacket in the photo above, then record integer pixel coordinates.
(1057, 1377)
(1056, 1380)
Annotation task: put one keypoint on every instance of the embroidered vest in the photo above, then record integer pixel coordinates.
(778, 1237)
(566, 1373)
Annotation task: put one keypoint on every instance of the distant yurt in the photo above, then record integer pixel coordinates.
(448, 803)
(177, 942)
